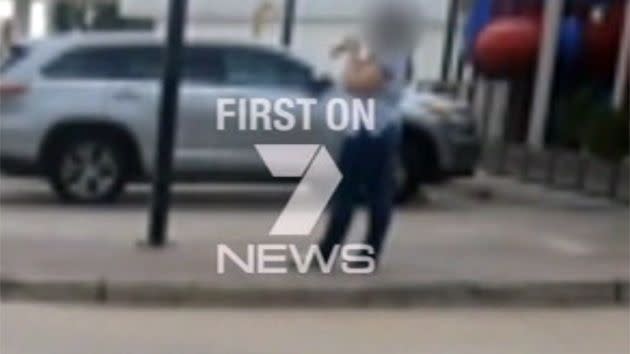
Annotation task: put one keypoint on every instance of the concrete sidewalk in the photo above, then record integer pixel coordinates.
(524, 245)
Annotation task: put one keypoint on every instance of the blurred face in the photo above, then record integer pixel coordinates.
(394, 26)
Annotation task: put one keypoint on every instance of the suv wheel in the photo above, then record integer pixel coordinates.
(88, 170)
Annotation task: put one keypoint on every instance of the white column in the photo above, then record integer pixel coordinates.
(498, 110)
(40, 19)
(545, 73)
(621, 77)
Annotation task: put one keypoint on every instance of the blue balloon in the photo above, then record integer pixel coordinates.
(571, 42)
(480, 15)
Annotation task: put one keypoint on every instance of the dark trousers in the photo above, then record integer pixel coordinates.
(367, 165)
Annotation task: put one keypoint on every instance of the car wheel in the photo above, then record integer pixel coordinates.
(88, 170)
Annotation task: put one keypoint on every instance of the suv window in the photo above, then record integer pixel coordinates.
(120, 62)
(203, 65)
(258, 67)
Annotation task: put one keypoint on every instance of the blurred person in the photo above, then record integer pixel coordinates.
(263, 15)
(376, 67)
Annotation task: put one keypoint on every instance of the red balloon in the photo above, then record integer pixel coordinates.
(508, 47)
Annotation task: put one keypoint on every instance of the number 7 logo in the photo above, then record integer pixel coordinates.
(320, 179)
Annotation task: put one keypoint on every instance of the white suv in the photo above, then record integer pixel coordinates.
(81, 110)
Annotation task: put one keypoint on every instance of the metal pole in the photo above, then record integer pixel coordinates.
(623, 64)
(158, 222)
(545, 74)
(459, 72)
(451, 24)
(288, 23)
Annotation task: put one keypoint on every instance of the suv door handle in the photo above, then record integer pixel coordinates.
(127, 95)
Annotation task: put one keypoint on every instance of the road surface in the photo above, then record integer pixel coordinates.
(65, 329)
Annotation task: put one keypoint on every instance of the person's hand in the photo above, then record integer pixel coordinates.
(350, 45)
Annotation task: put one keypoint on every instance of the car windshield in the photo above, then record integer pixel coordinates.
(16, 53)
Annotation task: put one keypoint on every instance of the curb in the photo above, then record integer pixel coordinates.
(436, 295)
(560, 169)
